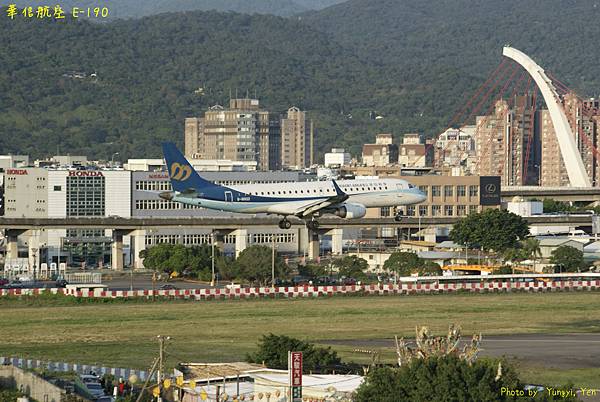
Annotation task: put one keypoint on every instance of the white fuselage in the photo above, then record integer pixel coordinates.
(288, 198)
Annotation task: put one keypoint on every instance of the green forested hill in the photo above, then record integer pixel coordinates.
(412, 61)
(562, 35)
(142, 8)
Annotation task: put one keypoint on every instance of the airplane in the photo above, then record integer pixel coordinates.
(306, 200)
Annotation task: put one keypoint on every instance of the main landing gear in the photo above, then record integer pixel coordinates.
(285, 224)
(312, 224)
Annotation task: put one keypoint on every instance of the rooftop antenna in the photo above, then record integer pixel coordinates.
(236, 95)
(255, 93)
(247, 93)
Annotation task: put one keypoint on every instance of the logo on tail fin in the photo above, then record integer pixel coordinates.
(180, 172)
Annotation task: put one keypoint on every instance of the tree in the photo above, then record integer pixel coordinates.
(312, 270)
(491, 229)
(273, 349)
(254, 265)
(189, 261)
(445, 378)
(567, 259)
(406, 263)
(531, 246)
(352, 266)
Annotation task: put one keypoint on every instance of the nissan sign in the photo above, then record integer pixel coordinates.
(489, 190)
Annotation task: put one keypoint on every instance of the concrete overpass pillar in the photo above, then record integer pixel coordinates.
(219, 238)
(12, 243)
(313, 244)
(138, 244)
(337, 237)
(117, 250)
(241, 240)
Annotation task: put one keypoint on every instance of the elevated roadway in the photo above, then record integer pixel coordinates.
(308, 240)
(582, 194)
(129, 224)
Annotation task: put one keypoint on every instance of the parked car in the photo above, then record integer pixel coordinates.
(89, 378)
(95, 389)
(168, 286)
(348, 281)
(61, 283)
(300, 280)
(4, 281)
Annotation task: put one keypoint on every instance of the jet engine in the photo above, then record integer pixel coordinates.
(349, 211)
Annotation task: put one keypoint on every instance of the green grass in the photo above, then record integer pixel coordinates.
(123, 333)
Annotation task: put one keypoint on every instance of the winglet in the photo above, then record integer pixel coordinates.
(338, 190)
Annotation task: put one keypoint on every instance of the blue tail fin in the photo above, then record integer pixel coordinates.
(182, 174)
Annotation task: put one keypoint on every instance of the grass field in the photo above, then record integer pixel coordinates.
(123, 334)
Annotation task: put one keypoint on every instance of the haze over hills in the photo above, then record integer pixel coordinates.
(413, 62)
(142, 8)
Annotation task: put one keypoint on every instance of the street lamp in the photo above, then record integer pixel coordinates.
(212, 258)
(273, 261)
(34, 250)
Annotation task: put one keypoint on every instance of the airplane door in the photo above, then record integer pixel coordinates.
(228, 196)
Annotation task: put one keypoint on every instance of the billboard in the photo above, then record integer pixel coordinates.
(489, 190)
(295, 375)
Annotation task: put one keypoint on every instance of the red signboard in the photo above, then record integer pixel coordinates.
(295, 373)
(16, 172)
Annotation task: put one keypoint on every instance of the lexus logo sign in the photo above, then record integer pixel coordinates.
(489, 193)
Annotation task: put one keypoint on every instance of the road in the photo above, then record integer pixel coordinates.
(141, 282)
(560, 351)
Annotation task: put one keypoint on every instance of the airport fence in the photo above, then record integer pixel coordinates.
(30, 364)
(324, 291)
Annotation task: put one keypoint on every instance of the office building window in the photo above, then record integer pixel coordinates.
(435, 191)
(461, 210)
(384, 211)
(461, 191)
(436, 210)
(423, 210)
(448, 191)
(473, 191)
(472, 209)
(448, 210)
(410, 210)
(424, 189)
(85, 196)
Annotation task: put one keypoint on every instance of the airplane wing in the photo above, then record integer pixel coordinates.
(304, 209)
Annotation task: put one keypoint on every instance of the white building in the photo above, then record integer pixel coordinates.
(525, 208)
(456, 147)
(13, 161)
(337, 157)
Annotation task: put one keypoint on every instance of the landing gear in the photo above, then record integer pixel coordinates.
(398, 218)
(312, 224)
(285, 224)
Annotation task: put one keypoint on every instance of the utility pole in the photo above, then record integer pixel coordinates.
(273, 261)
(160, 373)
(212, 246)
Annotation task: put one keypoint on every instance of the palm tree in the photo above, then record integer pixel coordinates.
(531, 246)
